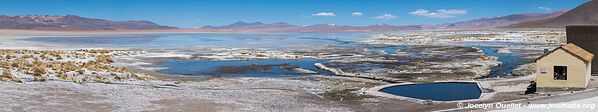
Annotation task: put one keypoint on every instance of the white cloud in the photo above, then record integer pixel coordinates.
(324, 14)
(356, 14)
(545, 8)
(440, 13)
(385, 17)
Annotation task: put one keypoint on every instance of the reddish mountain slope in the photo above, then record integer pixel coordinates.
(72, 22)
(585, 14)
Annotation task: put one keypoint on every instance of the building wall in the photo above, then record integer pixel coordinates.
(585, 37)
(577, 70)
(588, 72)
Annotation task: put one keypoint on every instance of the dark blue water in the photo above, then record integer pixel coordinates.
(442, 91)
(509, 62)
(389, 49)
(252, 68)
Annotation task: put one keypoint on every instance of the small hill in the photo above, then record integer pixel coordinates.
(73, 22)
(585, 14)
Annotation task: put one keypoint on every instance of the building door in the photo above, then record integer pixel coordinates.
(560, 72)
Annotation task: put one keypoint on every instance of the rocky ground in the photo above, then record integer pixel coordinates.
(242, 94)
(68, 65)
(180, 93)
(472, 37)
(90, 80)
(202, 94)
(421, 63)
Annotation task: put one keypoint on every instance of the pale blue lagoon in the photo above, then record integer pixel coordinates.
(190, 40)
(272, 41)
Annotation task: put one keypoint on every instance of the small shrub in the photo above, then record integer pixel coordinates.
(40, 78)
(81, 71)
(104, 59)
(39, 71)
(101, 79)
(76, 80)
(62, 76)
(85, 79)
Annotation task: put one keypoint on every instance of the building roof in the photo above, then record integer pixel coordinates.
(573, 50)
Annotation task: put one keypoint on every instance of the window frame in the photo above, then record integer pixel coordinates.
(563, 75)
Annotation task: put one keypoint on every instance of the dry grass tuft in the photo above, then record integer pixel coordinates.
(62, 76)
(44, 63)
(101, 79)
(39, 71)
(40, 78)
(6, 75)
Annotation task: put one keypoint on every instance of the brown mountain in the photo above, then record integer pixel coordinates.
(585, 14)
(72, 22)
(500, 21)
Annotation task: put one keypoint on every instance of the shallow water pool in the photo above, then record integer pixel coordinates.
(441, 91)
(253, 68)
(509, 62)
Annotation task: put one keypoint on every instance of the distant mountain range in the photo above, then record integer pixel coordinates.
(585, 14)
(286, 27)
(243, 25)
(72, 22)
(482, 23)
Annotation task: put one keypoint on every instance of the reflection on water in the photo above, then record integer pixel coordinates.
(190, 40)
(104, 39)
(388, 49)
(258, 68)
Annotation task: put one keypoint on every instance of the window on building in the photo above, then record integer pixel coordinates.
(560, 72)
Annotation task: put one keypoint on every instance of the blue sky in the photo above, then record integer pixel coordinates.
(197, 13)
